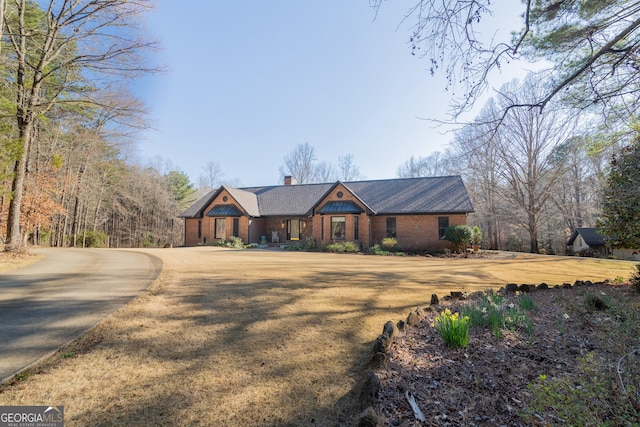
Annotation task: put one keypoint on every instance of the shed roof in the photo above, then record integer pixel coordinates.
(591, 236)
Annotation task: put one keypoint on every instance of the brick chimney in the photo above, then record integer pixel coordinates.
(290, 180)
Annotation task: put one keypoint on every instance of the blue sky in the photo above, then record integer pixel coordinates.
(248, 81)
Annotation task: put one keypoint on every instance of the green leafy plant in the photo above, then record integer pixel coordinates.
(527, 324)
(492, 312)
(494, 298)
(235, 242)
(475, 313)
(377, 250)
(620, 221)
(476, 235)
(495, 321)
(562, 323)
(514, 319)
(526, 302)
(453, 328)
(634, 280)
(588, 399)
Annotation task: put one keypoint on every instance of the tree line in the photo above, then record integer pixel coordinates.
(544, 156)
(67, 125)
(539, 175)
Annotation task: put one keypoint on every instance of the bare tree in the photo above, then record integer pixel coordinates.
(211, 175)
(324, 172)
(476, 155)
(299, 163)
(53, 47)
(435, 164)
(525, 145)
(347, 168)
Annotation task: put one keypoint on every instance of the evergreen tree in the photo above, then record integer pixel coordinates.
(181, 188)
(621, 208)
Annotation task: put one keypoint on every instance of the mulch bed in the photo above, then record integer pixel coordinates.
(488, 383)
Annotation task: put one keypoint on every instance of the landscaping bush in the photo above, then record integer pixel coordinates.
(476, 235)
(310, 245)
(93, 239)
(458, 235)
(235, 242)
(377, 250)
(349, 247)
(635, 279)
(389, 244)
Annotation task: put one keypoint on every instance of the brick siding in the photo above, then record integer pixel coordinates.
(415, 232)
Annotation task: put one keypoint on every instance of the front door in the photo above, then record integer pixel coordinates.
(293, 229)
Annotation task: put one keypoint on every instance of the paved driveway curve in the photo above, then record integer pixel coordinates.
(47, 304)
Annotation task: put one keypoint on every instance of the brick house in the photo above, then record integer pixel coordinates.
(413, 210)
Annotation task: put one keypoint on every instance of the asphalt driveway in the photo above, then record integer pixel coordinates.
(47, 304)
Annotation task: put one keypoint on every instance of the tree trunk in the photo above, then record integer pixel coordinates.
(14, 234)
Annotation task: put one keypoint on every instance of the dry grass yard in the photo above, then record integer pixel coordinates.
(10, 261)
(259, 338)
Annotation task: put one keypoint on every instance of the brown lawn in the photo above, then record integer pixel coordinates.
(10, 261)
(259, 338)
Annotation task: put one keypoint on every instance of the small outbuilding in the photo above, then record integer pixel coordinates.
(587, 239)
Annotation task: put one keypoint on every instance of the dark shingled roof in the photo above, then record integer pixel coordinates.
(195, 210)
(293, 200)
(446, 194)
(388, 196)
(591, 236)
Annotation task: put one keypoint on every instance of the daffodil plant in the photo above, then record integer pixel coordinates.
(453, 328)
